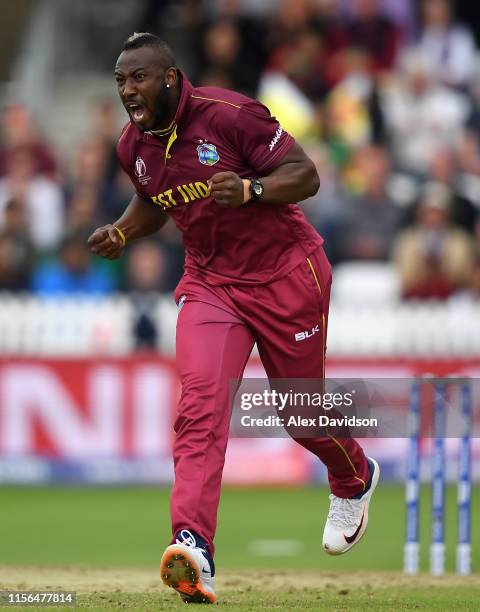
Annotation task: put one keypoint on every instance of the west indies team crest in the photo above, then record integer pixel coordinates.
(207, 154)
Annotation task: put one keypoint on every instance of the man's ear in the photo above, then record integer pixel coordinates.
(171, 77)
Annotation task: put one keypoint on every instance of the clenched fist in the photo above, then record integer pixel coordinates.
(107, 242)
(227, 188)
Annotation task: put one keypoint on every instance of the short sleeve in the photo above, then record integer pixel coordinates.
(260, 138)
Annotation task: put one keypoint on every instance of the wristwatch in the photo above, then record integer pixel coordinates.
(256, 188)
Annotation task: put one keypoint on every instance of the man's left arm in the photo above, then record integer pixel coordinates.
(294, 178)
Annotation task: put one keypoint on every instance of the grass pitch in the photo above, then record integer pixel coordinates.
(137, 589)
(106, 545)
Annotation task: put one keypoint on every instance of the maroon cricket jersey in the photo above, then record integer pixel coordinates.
(219, 130)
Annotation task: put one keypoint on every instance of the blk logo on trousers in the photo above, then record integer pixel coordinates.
(304, 335)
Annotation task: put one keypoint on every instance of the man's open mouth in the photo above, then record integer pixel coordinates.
(137, 111)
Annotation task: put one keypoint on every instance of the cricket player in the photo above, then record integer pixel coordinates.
(228, 175)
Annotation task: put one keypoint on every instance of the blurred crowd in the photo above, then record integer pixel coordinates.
(389, 114)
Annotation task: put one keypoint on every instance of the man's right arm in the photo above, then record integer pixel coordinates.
(141, 218)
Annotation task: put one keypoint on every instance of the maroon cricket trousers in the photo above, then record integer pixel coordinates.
(216, 330)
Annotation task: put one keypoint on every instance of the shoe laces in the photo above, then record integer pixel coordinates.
(345, 513)
(188, 539)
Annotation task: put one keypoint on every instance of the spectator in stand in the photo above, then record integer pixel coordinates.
(82, 211)
(215, 77)
(324, 210)
(475, 280)
(20, 132)
(85, 190)
(449, 46)
(116, 196)
(374, 33)
(468, 153)
(221, 48)
(43, 199)
(73, 271)
(434, 257)
(90, 194)
(232, 52)
(172, 244)
(328, 24)
(106, 127)
(371, 218)
(421, 115)
(443, 168)
(349, 122)
(303, 60)
(16, 250)
(90, 165)
(146, 269)
(468, 166)
(290, 18)
(473, 123)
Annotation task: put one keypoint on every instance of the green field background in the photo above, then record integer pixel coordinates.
(130, 527)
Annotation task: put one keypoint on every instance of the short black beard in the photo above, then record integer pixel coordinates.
(164, 111)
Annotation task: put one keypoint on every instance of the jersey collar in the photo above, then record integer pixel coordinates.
(187, 90)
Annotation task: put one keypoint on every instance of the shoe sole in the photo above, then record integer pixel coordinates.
(179, 571)
(375, 479)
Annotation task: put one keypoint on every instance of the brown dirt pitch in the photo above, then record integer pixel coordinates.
(141, 589)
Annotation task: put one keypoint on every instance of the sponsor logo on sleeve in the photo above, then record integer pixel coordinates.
(276, 138)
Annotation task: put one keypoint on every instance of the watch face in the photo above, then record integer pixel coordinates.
(257, 189)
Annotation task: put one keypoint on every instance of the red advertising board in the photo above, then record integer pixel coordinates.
(103, 420)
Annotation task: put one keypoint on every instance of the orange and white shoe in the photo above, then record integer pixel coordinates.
(348, 518)
(185, 568)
